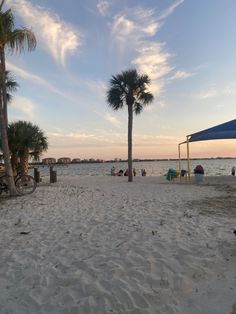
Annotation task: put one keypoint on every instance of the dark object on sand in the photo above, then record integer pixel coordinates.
(24, 232)
(198, 169)
(235, 232)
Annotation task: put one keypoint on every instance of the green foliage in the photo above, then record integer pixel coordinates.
(129, 88)
(15, 39)
(25, 137)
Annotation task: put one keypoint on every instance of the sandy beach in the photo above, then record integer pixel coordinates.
(93, 244)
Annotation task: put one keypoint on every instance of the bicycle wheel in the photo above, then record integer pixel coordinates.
(25, 185)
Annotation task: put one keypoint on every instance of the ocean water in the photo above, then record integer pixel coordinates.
(212, 167)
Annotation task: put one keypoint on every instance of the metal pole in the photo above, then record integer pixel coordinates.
(188, 161)
(179, 162)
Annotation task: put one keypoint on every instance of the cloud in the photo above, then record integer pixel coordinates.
(112, 119)
(170, 10)
(36, 79)
(230, 89)
(58, 37)
(210, 93)
(134, 29)
(226, 90)
(103, 7)
(24, 105)
(26, 75)
(154, 61)
(133, 25)
(180, 75)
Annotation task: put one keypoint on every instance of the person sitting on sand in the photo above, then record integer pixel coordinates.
(134, 172)
(233, 171)
(143, 173)
(198, 169)
(113, 171)
(126, 173)
(120, 173)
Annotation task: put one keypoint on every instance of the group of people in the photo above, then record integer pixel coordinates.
(126, 173)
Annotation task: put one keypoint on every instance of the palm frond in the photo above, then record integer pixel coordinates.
(146, 98)
(115, 97)
(24, 135)
(131, 88)
(138, 108)
(20, 39)
(1, 4)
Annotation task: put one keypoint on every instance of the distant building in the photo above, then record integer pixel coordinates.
(76, 160)
(49, 161)
(99, 160)
(64, 160)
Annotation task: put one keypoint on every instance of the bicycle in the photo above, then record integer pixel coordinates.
(25, 184)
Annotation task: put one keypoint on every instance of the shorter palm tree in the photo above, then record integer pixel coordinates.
(26, 141)
(131, 89)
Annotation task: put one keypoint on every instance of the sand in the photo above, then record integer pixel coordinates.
(103, 245)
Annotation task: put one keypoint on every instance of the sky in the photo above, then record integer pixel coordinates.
(187, 47)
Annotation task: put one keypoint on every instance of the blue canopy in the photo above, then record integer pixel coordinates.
(222, 131)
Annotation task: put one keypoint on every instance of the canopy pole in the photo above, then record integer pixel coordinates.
(179, 161)
(188, 161)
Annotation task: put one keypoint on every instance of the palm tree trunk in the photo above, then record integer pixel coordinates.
(3, 81)
(130, 128)
(14, 161)
(24, 162)
(6, 154)
(3, 128)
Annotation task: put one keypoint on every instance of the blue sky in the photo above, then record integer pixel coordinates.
(187, 47)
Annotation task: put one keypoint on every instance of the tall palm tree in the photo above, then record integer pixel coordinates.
(11, 86)
(129, 88)
(15, 40)
(26, 140)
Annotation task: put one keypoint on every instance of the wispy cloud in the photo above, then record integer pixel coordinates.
(150, 140)
(27, 75)
(228, 89)
(112, 119)
(170, 10)
(58, 37)
(180, 75)
(25, 106)
(134, 25)
(33, 78)
(134, 29)
(154, 61)
(103, 7)
(210, 93)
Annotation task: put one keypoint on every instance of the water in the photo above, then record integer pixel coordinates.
(214, 167)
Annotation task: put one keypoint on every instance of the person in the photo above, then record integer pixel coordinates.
(120, 173)
(183, 172)
(113, 171)
(134, 172)
(233, 171)
(198, 169)
(126, 173)
(143, 172)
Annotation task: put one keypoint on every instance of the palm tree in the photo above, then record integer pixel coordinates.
(11, 86)
(25, 140)
(16, 40)
(129, 88)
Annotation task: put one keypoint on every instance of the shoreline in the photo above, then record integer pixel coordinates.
(98, 244)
